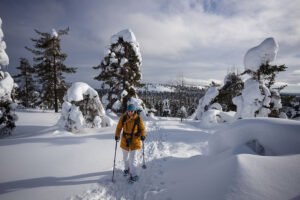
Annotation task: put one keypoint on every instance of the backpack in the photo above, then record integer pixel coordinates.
(137, 122)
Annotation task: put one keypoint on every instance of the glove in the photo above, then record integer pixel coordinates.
(143, 138)
(117, 138)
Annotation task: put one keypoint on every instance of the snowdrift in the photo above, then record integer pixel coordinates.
(233, 171)
(278, 136)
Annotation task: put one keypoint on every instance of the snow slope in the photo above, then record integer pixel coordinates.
(184, 161)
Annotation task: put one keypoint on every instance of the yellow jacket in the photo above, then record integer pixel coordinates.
(127, 127)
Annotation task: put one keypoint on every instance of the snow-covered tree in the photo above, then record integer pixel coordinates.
(120, 70)
(291, 106)
(257, 97)
(82, 108)
(7, 115)
(166, 108)
(206, 101)
(182, 113)
(233, 85)
(50, 68)
(26, 92)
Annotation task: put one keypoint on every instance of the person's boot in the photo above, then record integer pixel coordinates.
(126, 172)
(133, 179)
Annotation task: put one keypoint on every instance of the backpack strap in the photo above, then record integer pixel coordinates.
(129, 140)
(138, 123)
(123, 120)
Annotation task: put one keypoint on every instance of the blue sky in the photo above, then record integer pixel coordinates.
(197, 39)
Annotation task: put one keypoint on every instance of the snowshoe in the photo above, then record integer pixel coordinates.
(126, 172)
(133, 179)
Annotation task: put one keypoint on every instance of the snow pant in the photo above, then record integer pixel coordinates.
(130, 161)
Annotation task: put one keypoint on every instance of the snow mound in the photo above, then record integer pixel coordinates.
(83, 109)
(278, 136)
(261, 54)
(4, 60)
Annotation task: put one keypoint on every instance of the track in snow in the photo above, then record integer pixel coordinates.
(158, 150)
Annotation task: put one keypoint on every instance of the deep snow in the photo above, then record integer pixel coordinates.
(184, 161)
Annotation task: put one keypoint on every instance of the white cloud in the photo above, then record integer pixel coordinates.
(296, 73)
(202, 38)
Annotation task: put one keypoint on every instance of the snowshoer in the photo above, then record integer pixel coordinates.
(133, 133)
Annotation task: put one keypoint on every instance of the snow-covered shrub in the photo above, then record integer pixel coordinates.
(82, 108)
(275, 104)
(212, 113)
(291, 107)
(182, 113)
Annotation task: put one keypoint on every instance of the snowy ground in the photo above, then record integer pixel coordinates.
(184, 161)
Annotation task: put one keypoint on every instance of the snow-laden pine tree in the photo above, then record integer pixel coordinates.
(257, 98)
(7, 115)
(166, 111)
(182, 113)
(26, 92)
(233, 85)
(82, 108)
(50, 68)
(120, 70)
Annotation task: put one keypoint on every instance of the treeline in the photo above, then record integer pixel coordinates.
(187, 96)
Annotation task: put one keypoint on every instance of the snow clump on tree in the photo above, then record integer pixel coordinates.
(4, 60)
(264, 53)
(82, 108)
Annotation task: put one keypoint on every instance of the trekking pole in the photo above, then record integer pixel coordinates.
(144, 164)
(112, 179)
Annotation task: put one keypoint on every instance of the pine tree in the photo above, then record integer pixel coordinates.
(50, 68)
(233, 86)
(120, 70)
(266, 75)
(26, 88)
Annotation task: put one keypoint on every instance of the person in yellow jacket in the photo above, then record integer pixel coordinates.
(132, 136)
